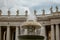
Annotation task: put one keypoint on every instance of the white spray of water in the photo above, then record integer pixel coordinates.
(31, 16)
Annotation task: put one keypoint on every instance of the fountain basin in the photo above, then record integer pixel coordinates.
(30, 37)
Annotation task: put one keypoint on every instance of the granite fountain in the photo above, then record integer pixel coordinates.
(31, 26)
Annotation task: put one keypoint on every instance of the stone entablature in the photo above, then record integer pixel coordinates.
(46, 20)
(21, 18)
(12, 18)
(10, 23)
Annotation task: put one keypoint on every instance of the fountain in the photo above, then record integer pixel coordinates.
(31, 25)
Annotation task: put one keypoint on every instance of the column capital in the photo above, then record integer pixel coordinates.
(8, 25)
(0, 25)
(57, 24)
(17, 25)
(52, 24)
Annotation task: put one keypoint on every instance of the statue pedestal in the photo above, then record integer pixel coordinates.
(30, 37)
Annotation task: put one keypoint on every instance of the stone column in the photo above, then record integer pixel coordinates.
(52, 32)
(4, 35)
(20, 30)
(0, 32)
(43, 32)
(8, 33)
(17, 32)
(25, 31)
(12, 36)
(57, 32)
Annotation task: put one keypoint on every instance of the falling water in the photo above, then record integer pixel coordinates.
(31, 16)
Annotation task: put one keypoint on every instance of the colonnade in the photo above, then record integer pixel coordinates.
(55, 32)
(7, 34)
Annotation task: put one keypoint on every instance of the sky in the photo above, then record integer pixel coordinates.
(29, 5)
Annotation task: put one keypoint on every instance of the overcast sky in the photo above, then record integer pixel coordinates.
(29, 5)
